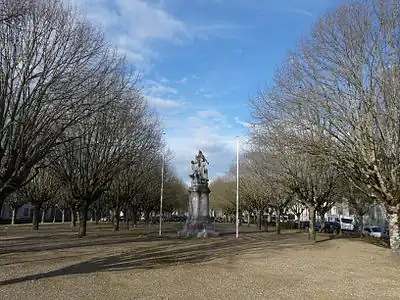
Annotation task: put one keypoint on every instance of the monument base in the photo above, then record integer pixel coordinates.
(196, 229)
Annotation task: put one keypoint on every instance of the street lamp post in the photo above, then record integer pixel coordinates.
(162, 191)
(237, 186)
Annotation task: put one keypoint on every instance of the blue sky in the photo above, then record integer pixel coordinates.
(201, 60)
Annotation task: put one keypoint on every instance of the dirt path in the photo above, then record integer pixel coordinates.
(258, 266)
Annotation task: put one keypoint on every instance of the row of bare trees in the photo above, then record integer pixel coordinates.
(74, 128)
(329, 127)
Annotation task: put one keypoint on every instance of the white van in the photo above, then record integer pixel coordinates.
(346, 222)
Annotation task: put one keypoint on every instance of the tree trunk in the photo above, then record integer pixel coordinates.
(278, 221)
(112, 216)
(54, 214)
(63, 215)
(359, 222)
(322, 228)
(259, 220)
(83, 212)
(2, 200)
(311, 230)
(73, 217)
(35, 219)
(116, 218)
(394, 232)
(43, 214)
(134, 218)
(126, 218)
(298, 222)
(147, 217)
(266, 223)
(13, 215)
(97, 212)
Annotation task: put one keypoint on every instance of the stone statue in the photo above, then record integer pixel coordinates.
(198, 222)
(200, 171)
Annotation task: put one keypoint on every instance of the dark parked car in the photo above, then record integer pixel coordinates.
(317, 226)
(331, 227)
(306, 224)
(176, 218)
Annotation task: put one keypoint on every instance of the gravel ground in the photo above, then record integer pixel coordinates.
(126, 265)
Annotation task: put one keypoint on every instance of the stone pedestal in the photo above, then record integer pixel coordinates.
(198, 223)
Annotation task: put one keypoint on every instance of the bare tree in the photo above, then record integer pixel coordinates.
(253, 196)
(40, 191)
(280, 145)
(297, 208)
(98, 207)
(253, 193)
(63, 201)
(11, 10)
(15, 201)
(223, 195)
(51, 61)
(104, 145)
(315, 184)
(176, 194)
(359, 201)
(265, 170)
(347, 72)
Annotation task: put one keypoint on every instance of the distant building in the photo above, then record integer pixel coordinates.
(25, 214)
(376, 215)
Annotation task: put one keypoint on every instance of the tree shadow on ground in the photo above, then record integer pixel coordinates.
(66, 240)
(49, 245)
(161, 256)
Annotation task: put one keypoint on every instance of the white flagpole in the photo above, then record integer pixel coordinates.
(237, 186)
(162, 191)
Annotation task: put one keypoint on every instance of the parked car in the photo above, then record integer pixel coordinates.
(317, 226)
(374, 231)
(306, 225)
(331, 227)
(385, 233)
(175, 218)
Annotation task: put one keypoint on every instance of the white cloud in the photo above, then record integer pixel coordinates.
(163, 97)
(134, 25)
(243, 123)
(183, 80)
(137, 28)
(304, 12)
(163, 103)
(160, 89)
(164, 80)
(210, 113)
(206, 130)
(204, 93)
